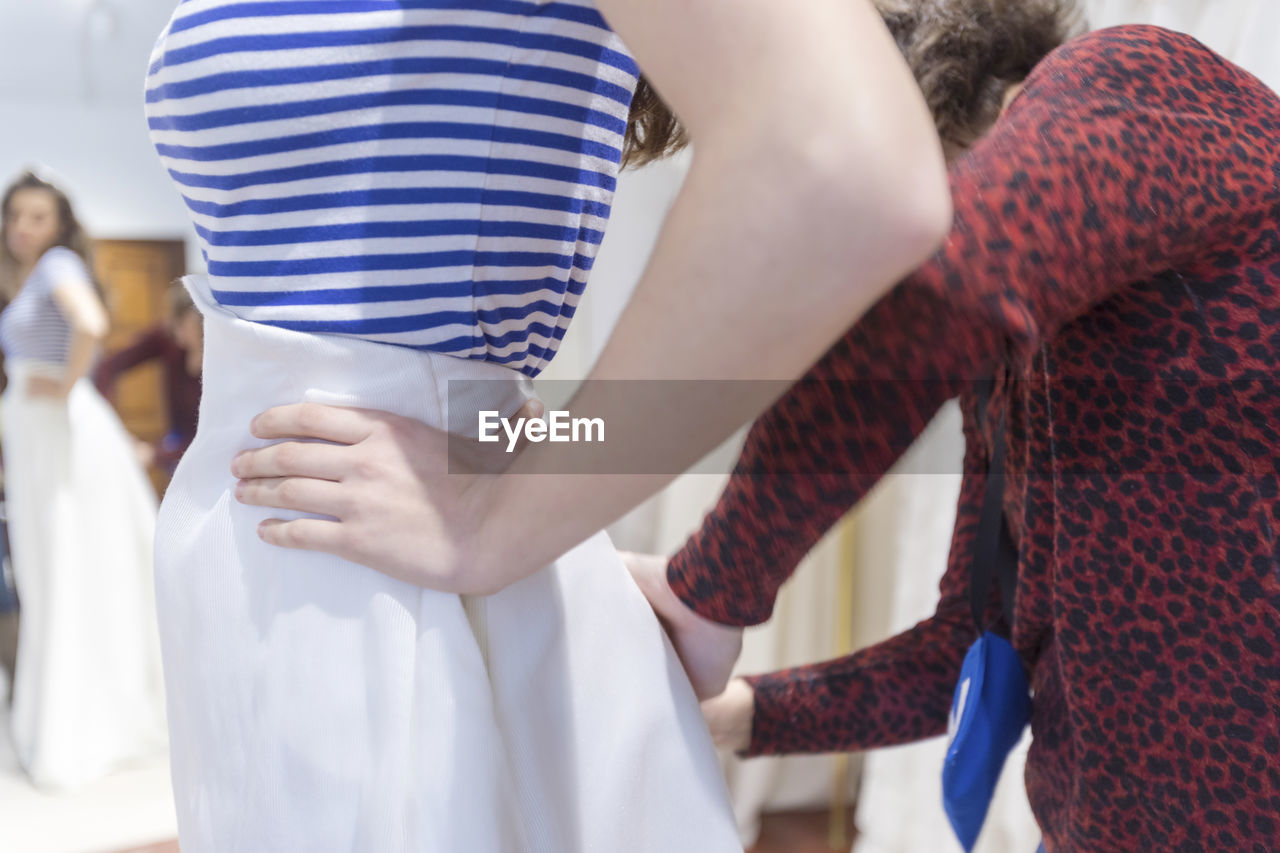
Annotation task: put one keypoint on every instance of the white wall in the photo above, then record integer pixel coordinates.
(102, 156)
(71, 76)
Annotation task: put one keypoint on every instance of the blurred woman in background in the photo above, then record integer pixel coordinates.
(87, 693)
(178, 345)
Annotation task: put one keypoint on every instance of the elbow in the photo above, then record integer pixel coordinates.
(896, 192)
(874, 209)
(86, 317)
(921, 188)
(918, 215)
(95, 324)
(924, 215)
(94, 330)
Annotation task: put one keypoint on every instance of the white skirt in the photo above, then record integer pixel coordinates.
(87, 693)
(316, 705)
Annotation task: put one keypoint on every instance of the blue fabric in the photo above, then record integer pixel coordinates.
(432, 174)
(991, 707)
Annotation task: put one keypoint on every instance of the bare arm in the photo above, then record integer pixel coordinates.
(817, 181)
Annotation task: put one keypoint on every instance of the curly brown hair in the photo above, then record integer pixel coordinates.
(964, 54)
(653, 131)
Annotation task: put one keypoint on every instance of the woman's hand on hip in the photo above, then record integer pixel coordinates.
(707, 649)
(393, 498)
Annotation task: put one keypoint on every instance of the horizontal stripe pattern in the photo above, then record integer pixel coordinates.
(310, 74)
(565, 11)
(32, 326)
(434, 174)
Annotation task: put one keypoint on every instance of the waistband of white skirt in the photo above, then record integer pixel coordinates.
(252, 366)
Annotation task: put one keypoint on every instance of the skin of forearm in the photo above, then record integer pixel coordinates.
(788, 257)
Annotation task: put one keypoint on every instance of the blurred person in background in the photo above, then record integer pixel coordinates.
(87, 694)
(178, 344)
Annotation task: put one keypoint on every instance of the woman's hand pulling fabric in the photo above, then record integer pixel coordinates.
(707, 649)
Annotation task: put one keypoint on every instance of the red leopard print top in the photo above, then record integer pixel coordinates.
(1116, 261)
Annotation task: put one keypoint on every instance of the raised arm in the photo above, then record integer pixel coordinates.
(814, 154)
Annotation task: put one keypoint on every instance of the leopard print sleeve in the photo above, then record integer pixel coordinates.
(893, 692)
(1086, 185)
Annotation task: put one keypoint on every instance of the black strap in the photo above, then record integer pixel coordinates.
(994, 555)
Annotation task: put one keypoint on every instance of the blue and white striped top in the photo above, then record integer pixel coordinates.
(32, 326)
(435, 174)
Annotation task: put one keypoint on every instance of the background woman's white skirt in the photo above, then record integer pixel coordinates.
(87, 693)
(316, 705)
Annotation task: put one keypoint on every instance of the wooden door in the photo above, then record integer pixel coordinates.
(135, 275)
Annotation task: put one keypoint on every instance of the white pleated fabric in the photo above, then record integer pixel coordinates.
(87, 693)
(316, 705)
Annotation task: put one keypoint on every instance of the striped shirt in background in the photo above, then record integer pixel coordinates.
(435, 174)
(33, 327)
